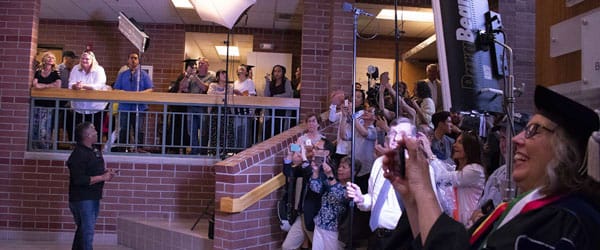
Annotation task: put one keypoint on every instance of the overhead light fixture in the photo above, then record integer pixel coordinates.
(183, 4)
(407, 15)
(233, 50)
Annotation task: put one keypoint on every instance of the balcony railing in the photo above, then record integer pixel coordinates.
(166, 128)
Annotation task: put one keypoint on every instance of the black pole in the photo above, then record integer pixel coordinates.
(224, 149)
(397, 59)
(352, 155)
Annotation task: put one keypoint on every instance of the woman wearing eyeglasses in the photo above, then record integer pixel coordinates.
(559, 203)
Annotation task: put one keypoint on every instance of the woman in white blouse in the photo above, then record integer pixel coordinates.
(87, 75)
(468, 179)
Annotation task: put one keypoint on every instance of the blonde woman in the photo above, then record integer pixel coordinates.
(46, 76)
(87, 75)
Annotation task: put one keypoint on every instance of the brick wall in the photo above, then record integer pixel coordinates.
(518, 19)
(327, 53)
(167, 45)
(257, 227)
(38, 194)
(18, 38)
(384, 46)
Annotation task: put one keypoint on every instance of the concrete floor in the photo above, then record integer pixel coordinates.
(50, 245)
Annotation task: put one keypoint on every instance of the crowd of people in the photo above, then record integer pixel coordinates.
(425, 180)
(190, 129)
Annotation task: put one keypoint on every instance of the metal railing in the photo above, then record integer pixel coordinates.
(173, 125)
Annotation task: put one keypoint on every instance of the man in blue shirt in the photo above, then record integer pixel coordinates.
(132, 115)
(441, 144)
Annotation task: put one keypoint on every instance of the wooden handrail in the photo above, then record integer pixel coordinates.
(164, 98)
(236, 205)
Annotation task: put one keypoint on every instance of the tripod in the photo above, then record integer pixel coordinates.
(211, 220)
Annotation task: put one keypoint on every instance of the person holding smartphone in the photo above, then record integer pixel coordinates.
(306, 202)
(387, 227)
(333, 201)
(559, 202)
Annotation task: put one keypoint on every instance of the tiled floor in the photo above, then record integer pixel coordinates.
(136, 233)
(49, 245)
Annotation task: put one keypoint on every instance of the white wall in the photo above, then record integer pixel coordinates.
(383, 64)
(264, 62)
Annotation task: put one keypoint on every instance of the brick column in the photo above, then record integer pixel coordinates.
(326, 53)
(342, 46)
(18, 44)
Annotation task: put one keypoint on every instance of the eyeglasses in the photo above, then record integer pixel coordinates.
(533, 129)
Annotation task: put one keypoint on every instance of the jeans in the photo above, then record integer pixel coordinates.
(197, 120)
(85, 214)
(135, 121)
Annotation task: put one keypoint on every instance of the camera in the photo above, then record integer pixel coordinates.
(373, 94)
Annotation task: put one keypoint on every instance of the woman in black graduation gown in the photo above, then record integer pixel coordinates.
(558, 206)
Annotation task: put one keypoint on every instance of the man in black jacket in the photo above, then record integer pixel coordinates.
(86, 180)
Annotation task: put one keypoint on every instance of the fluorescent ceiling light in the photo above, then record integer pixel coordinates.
(233, 50)
(184, 4)
(407, 15)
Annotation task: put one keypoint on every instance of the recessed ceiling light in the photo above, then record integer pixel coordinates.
(407, 15)
(183, 4)
(233, 50)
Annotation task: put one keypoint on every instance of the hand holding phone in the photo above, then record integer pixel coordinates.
(295, 147)
(396, 161)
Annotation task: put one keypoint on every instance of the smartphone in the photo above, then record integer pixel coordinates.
(319, 160)
(401, 169)
(295, 147)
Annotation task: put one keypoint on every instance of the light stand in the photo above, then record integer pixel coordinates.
(225, 101)
(509, 103)
(397, 57)
(227, 14)
(347, 7)
(135, 34)
(488, 38)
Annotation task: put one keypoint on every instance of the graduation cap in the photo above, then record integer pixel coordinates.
(189, 61)
(248, 67)
(577, 120)
(70, 54)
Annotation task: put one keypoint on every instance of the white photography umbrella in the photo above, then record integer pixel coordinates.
(223, 12)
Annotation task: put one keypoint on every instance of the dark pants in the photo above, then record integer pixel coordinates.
(400, 238)
(198, 124)
(74, 119)
(135, 121)
(85, 214)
